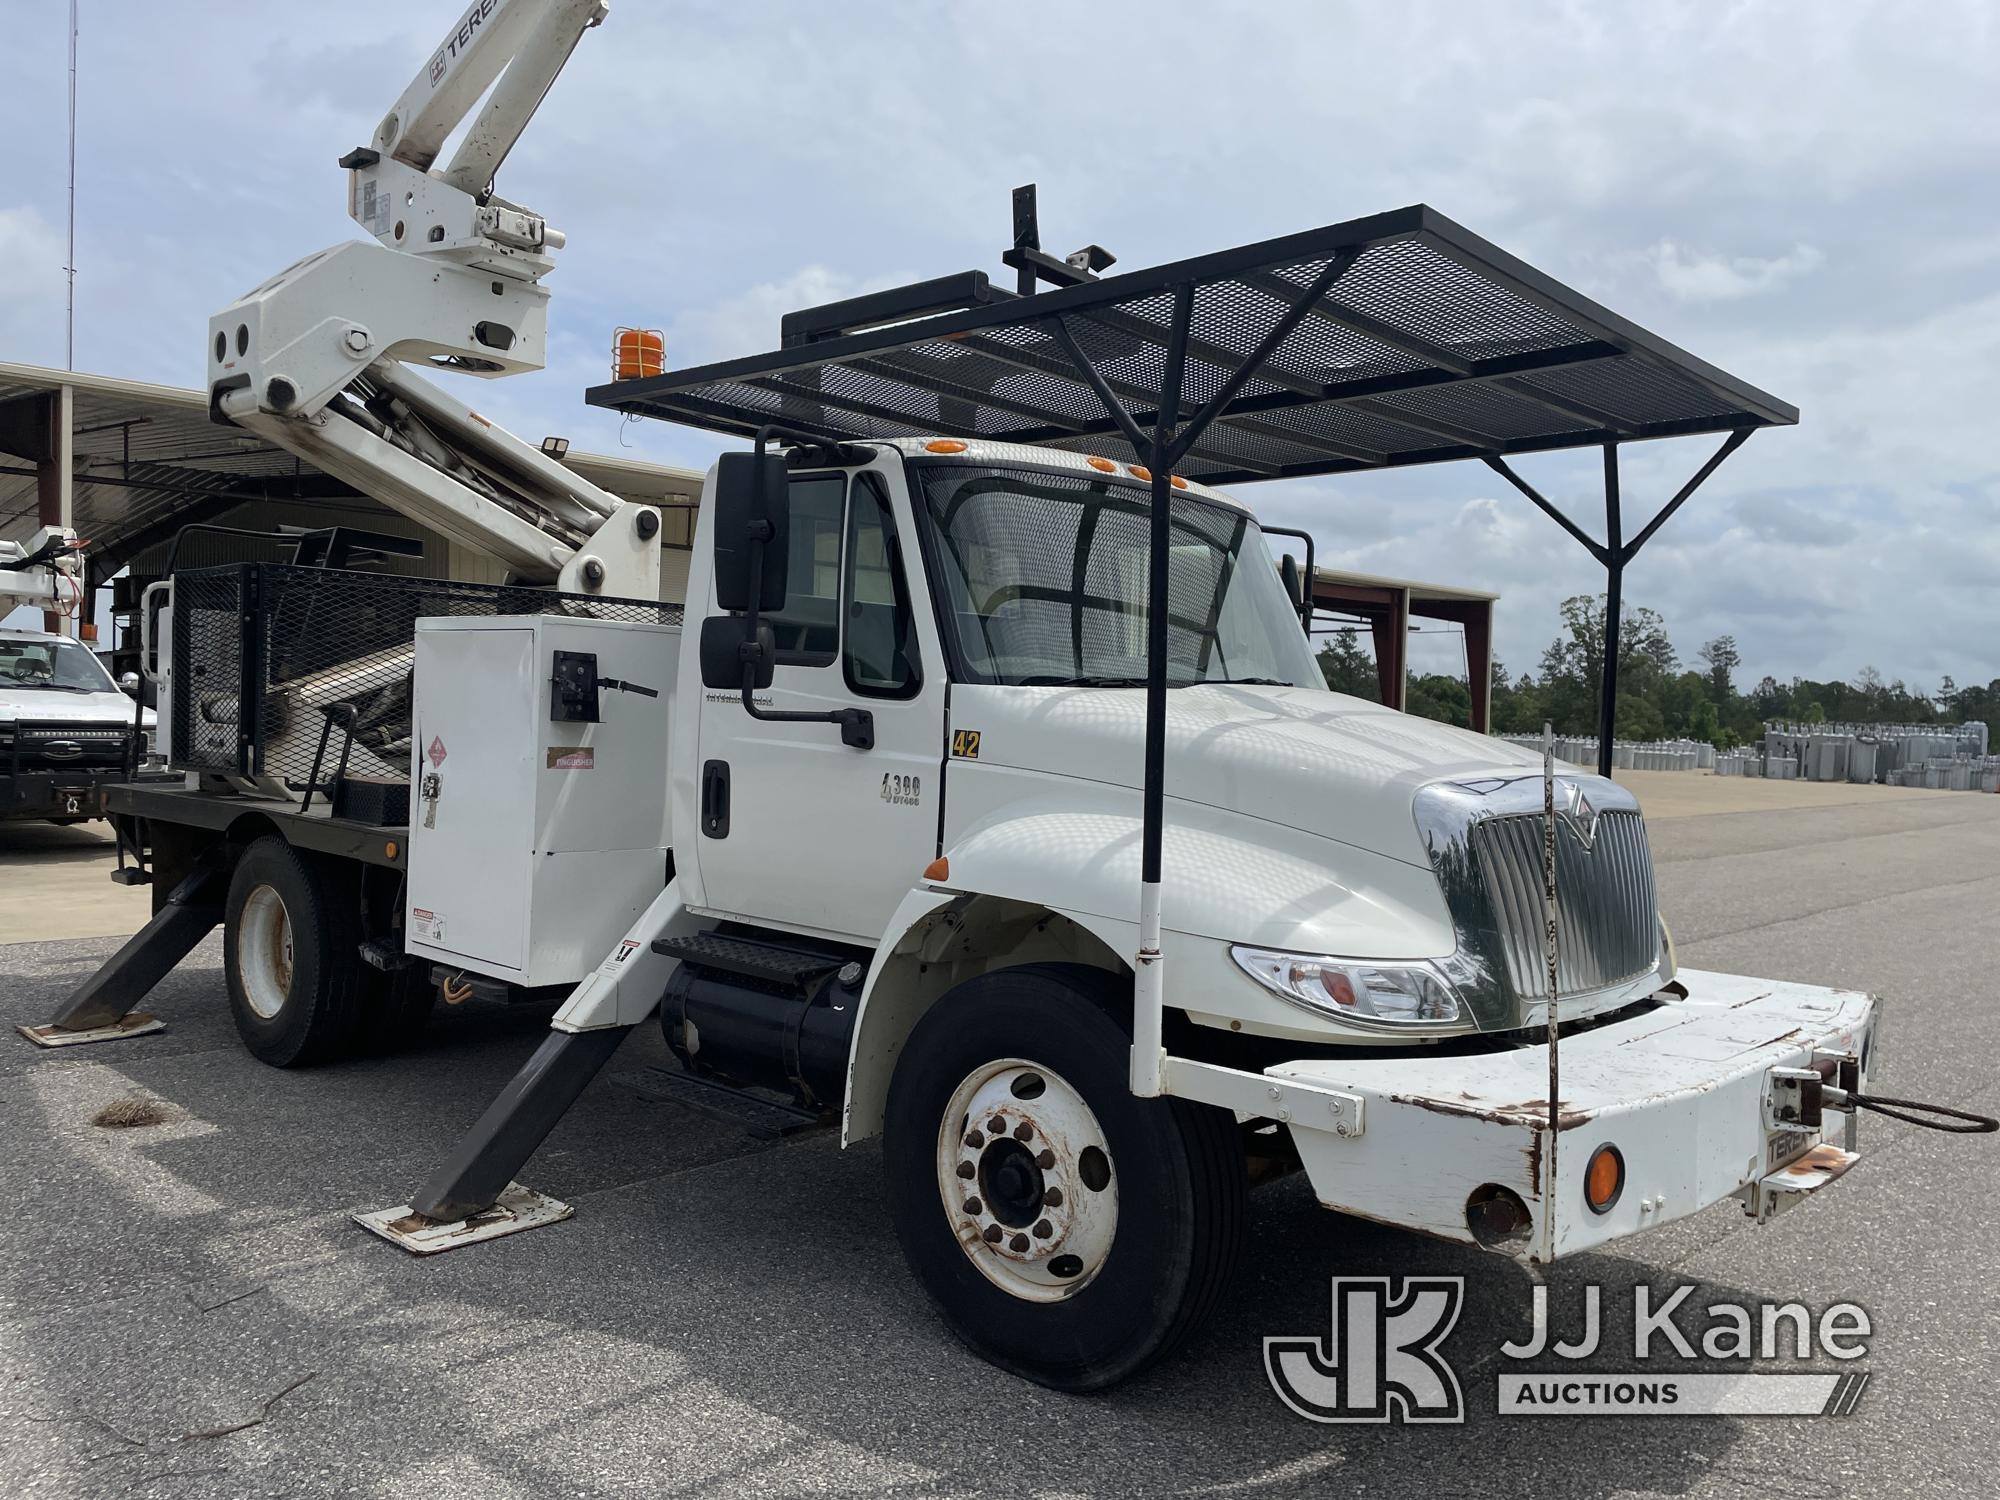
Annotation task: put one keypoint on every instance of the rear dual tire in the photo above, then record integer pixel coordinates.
(298, 990)
(1066, 1230)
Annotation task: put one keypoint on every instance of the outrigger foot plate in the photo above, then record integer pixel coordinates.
(137, 1023)
(517, 1208)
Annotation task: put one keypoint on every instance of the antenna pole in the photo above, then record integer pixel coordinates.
(69, 269)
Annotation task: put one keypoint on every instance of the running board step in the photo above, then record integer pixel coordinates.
(766, 1119)
(794, 968)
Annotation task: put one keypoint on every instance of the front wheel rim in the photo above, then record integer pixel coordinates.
(264, 952)
(1026, 1180)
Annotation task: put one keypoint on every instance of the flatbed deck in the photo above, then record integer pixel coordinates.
(317, 829)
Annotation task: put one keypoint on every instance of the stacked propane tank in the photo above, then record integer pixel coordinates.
(1627, 755)
(1942, 757)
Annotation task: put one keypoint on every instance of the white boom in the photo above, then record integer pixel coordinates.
(315, 359)
(41, 572)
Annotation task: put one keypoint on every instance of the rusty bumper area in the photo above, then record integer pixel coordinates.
(1691, 1093)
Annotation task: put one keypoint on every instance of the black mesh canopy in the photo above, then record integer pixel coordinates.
(1412, 341)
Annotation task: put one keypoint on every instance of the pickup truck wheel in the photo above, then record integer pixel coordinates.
(288, 944)
(1067, 1231)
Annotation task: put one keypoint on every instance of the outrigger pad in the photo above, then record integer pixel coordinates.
(137, 1023)
(516, 1209)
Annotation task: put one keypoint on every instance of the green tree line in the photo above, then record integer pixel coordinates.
(1659, 696)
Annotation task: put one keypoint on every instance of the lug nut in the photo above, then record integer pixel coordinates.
(974, 1139)
(1043, 1229)
(1046, 1160)
(1053, 1197)
(972, 1206)
(992, 1234)
(1018, 1243)
(1024, 1131)
(967, 1170)
(997, 1125)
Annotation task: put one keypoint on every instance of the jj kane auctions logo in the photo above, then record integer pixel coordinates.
(1381, 1358)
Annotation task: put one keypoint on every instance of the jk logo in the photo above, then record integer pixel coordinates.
(1379, 1361)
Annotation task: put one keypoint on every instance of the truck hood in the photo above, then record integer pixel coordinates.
(1324, 763)
(43, 706)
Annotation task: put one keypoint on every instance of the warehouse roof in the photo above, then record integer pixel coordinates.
(1411, 340)
(149, 461)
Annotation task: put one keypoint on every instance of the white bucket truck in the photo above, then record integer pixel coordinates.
(988, 800)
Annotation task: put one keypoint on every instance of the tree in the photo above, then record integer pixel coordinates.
(1723, 659)
(1347, 668)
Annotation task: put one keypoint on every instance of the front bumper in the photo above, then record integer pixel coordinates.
(56, 794)
(1687, 1092)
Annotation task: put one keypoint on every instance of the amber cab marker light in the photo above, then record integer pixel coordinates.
(938, 870)
(1140, 471)
(1604, 1178)
(1102, 465)
(944, 445)
(1176, 481)
(389, 849)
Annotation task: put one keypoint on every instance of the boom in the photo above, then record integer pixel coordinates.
(316, 359)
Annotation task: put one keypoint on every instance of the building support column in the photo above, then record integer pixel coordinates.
(55, 501)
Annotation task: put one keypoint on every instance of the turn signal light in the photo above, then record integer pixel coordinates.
(938, 871)
(1604, 1178)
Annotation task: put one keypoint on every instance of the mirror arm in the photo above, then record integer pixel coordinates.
(1305, 605)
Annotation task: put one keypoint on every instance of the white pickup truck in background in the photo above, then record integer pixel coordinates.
(66, 729)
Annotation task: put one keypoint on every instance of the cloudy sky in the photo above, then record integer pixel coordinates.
(1806, 195)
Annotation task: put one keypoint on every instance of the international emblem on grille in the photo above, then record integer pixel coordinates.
(1580, 815)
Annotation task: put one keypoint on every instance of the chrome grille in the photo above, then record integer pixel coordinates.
(1608, 925)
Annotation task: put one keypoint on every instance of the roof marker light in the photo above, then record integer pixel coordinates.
(1102, 465)
(944, 445)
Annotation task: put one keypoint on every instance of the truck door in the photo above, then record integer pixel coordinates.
(819, 836)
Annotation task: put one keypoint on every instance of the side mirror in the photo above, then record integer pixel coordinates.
(1295, 586)
(722, 640)
(128, 684)
(752, 500)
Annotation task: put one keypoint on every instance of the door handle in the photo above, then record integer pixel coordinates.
(715, 799)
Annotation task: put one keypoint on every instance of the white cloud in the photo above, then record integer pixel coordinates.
(32, 291)
(1695, 277)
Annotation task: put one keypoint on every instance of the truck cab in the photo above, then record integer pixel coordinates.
(66, 728)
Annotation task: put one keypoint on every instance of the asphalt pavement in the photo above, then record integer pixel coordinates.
(186, 1309)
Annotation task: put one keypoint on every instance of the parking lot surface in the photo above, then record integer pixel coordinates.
(186, 1309)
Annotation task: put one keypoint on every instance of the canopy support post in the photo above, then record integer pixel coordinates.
(1160, 453)
(1614, 602)
(1149, 989)
(1613, 554)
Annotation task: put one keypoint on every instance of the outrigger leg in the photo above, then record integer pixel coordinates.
(473, 1196)
(102, 1011)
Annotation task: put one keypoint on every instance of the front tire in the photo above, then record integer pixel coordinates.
(288, 945)
(1067, 1231)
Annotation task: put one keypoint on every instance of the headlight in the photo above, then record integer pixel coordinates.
(1356, 990)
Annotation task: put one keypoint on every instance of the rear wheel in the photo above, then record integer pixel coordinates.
(1067, 1231)
(289, 953)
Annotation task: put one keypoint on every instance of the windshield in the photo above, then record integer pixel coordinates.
(52, 666)
(1043, 580)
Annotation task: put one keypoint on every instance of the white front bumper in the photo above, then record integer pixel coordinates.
(1682, 1091)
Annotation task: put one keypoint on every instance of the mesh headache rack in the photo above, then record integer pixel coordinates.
(1401, 339)
(271, 662)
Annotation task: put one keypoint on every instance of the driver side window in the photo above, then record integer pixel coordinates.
(808, 627)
